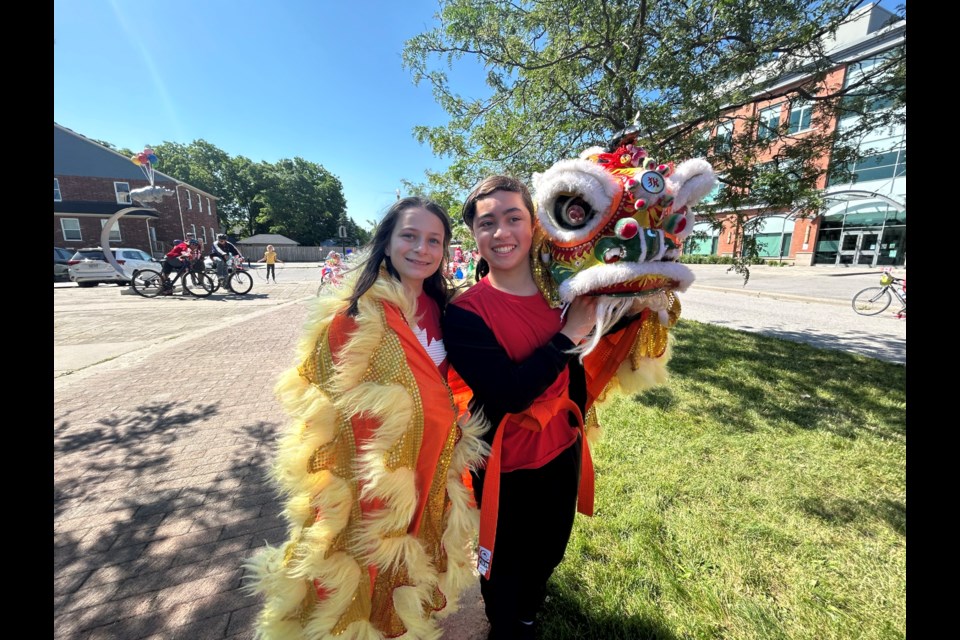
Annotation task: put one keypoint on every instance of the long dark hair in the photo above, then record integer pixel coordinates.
(488, 186)
(435, 286)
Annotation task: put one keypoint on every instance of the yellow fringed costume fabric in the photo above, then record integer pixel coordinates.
(380, 525)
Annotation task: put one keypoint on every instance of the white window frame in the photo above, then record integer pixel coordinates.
(123, 197)
(193, 228)
(204, 229)
(114, 232)
(764, 130)
(56, 191)
(189, 200)
(200, 202)
(723, 142)
(64, 230)
(213, 234)
(209, 208)
(802, 107)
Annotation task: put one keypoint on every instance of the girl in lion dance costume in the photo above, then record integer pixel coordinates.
(380, 525)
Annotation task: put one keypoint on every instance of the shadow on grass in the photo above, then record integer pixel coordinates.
(565, 618)
(745, 379)
(153, 525)
(838, 511)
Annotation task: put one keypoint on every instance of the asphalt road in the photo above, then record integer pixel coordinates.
(807, 304)
(804, 304)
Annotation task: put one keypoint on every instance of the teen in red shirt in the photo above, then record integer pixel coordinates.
(511, 349)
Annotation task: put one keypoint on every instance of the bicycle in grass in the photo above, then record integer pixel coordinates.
(236, 280)
(874, 300)
(149, 283)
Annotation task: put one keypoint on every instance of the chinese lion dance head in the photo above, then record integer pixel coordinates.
(611, 224)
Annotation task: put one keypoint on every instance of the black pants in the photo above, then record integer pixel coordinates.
(534, 521)
(270, 270)
(172, 264)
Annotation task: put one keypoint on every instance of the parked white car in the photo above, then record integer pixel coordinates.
(89, 267)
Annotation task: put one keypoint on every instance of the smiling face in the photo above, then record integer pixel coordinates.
(503, 228)
(416, 246)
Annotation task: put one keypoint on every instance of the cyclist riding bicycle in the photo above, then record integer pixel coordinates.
(176, 259)
(220, 254)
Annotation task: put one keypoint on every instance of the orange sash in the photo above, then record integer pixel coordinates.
(535, 418)
(600, 367)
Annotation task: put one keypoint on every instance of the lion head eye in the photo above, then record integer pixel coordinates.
(572, 212)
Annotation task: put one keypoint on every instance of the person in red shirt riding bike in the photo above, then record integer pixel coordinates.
(176, 259)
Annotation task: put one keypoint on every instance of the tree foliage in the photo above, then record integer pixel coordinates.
(297, 198)
(564, 75)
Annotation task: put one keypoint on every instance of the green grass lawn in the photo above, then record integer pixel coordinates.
(760, 494)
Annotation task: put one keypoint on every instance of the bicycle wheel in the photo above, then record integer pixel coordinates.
(871, 301)
(147, 282)
(215, 279)
(197, 284)
(241, 282)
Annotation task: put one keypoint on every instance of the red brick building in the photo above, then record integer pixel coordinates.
(864, 221)
(92, 182)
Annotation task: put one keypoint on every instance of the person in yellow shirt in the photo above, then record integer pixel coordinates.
(270, 257)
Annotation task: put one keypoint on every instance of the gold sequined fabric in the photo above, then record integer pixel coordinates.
(653, 336)
(541, 272)
(387, 366)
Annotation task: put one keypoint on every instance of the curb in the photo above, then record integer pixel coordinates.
(774, 296)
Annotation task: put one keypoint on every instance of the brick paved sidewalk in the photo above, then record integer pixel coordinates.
(160, 488)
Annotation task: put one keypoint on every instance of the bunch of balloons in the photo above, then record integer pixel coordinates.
(145, 160)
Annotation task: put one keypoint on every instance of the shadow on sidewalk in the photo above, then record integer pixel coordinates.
(155, 511)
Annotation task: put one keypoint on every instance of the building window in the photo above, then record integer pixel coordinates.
(193, 229)
(209, 208)
(702, 241)
(71, 229)
(800, 115)
(769, 122)
(189, 199)
(876, 166)
(200, 203)
(56, 191)
(723, 141)
(122, 190)
(873, 91)
(213, 234)
(204, 229)
(773, 236)
(114, 232)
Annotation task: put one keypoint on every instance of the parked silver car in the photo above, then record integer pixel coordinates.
(60, 263)
(89, 267)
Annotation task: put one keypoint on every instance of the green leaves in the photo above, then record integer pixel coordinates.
(564, 75)
(297, 198)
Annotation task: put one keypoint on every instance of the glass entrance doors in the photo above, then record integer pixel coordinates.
(858, 247)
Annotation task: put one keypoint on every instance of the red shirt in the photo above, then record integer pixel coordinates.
(181, 248)
(521, 324)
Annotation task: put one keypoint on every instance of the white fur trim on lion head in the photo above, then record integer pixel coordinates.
(692, 179)
(583, 178)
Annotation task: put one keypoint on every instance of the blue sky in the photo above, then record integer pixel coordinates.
(267, 80)
(319, 79)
